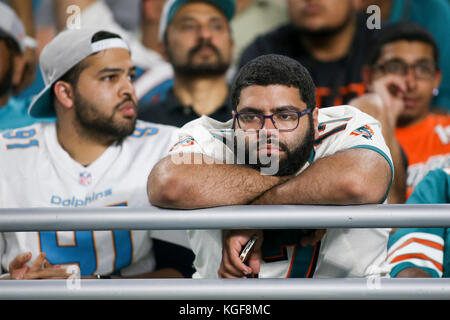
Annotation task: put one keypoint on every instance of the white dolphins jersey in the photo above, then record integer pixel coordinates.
(342, 252)
(36, 172)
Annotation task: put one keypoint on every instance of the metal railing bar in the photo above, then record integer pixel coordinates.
(229, 289)
(233, 217)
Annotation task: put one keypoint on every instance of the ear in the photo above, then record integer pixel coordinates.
(19, 64)
(163, 50)
(315, 115)
(64, 94)
(438, 79)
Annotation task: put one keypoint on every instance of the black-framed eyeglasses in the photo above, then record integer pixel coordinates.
(282, 120)
(422, 70)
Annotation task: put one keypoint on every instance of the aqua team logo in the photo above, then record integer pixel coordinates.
(184, 142)
(365, 131)
(85, 178)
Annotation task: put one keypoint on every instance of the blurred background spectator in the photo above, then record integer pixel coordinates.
(403, 68)
(154, 74)
(14, 65)
(330, 38)
(433, 15)
(198, 43)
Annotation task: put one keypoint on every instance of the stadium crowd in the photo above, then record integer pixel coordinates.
(167, 103)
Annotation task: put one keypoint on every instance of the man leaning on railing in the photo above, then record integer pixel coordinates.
(279, 149)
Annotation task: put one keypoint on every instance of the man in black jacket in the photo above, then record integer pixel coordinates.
(330, 39)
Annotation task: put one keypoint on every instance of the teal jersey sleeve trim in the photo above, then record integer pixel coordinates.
(433, 188)
(401, 232)
(381, 152)
(405, 265)
(312, 156)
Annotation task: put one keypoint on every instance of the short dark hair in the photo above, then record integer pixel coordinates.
(404, 30)
(273, 69)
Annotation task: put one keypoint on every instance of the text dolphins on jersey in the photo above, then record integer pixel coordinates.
(80, 202)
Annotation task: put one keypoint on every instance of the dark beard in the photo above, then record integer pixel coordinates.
(191, 70)
(98, 127)
(326, 32)
(294, 159)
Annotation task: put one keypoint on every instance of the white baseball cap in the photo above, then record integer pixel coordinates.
(11, 26)
(65, 51)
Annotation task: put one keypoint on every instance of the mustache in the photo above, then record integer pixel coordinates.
(281, 145)
(126, 100)
(267, 137)
(202, 45)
